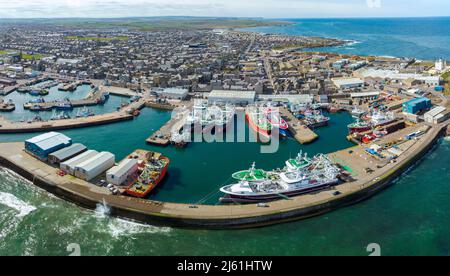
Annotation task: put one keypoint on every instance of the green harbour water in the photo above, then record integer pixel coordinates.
(409, 218)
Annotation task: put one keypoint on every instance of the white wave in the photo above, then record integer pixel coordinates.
(352, 42)
(119, 228)
(13, 202)
(103, 210)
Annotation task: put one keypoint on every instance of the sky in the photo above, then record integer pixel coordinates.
(223, 8)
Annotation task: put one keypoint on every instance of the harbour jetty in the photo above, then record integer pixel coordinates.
(94, 98)
(163, 135)
(25, 127)
(369, 177)
(301, 133)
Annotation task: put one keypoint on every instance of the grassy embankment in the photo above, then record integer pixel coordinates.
(446, 78)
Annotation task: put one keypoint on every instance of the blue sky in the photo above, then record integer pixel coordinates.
(238, 8)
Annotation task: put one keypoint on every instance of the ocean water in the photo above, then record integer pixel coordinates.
(423, 38)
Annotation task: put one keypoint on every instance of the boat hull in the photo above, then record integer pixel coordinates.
(155, 184)
(262, 133)
(230, 198)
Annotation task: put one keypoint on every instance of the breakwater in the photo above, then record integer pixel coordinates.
(207, 216)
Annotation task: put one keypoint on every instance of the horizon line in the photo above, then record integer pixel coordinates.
(228, 17)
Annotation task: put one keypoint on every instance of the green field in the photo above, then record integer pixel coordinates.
(32, 57)
(158, 23)
(446, 78)
(3, 52)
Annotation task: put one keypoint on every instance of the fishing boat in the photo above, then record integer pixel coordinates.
(259, 123)
(226, 119)
(84, 112)
(64, 106)
(300, 162)
(321, 174)
(274, 118)
(317, 120)
(7, 106)
(23, 89)
(153, 172)
(251, 175)
(357, 112)
(377, 119)
(35, 93)
(359, 126)
(38, 108)
(104, 98)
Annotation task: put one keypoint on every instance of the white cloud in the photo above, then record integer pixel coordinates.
(244, 8)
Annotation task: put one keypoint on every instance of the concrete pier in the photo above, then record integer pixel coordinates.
(24, 127)
(91, 100)
(163, 135)
(364, 185)
(301, 133)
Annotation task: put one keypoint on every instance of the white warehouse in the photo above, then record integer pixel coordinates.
(231, 97)
(69, 165)
(119, 175)
(93, 167)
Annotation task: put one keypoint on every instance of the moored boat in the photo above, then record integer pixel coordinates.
(259, 123)
(320, 175)
(152, 173)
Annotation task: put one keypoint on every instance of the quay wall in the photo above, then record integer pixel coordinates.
(44, 128)
(120, 208)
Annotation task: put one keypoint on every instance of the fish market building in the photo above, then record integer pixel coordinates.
(232, 97)
(95, 166)
(43, 145)
(70, 165)
(66, 153)
(121, 174)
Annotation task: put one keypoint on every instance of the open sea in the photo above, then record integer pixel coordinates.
(422, 38)
(409, 218)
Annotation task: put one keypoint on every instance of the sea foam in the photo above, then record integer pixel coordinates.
(13, 202)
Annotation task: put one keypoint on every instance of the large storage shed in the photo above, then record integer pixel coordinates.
(232, 97)
(417, 105)
(66, 153)
(93, 167)
(43, 145)
(69, 165)
(121, 174)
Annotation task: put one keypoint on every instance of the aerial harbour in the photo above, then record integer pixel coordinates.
(195, 127)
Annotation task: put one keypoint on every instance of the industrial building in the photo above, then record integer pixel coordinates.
(93, 167)
(288, 98)
(348, 83)
(417, 105)
(121, 174)
(437, 115)
(43, 145)
(232, 97)
(69, 165)
(172, 93)
(66, 153)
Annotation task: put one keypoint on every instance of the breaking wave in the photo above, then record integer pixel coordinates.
(13, 202)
